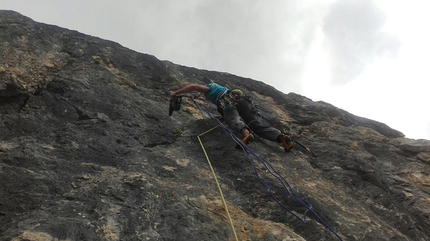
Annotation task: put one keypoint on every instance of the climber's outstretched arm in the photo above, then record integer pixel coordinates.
(190, 88)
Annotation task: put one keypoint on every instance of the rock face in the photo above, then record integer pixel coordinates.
(88, 152)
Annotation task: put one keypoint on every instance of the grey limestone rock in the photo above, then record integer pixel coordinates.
(89, 152)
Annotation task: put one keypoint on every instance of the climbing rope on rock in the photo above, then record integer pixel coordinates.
(248, 154)
(216, 180)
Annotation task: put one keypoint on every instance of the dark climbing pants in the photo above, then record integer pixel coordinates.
(245, 115)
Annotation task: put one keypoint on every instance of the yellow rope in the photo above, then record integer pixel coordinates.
(217, 183)
(211, 129)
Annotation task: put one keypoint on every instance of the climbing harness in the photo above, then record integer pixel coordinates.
(271, 170)
(227, 102)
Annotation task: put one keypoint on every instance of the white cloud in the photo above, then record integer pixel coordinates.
(354, 37)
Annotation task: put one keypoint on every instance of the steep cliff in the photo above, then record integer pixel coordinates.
(88, 152)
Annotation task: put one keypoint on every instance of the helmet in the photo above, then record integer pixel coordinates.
(236, 94)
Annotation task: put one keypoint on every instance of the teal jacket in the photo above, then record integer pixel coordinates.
(215, 92)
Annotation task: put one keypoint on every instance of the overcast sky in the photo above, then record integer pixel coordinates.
(368, 57)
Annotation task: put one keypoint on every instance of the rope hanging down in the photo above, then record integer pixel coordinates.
(217, 183)
(274, 173)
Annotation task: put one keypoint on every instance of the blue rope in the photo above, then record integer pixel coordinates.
(274, 173)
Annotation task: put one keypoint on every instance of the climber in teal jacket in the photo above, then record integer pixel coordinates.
(238, 112)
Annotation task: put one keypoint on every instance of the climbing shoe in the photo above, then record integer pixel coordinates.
(248, 138)
(287, 143)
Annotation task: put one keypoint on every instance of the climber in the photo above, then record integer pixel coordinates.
(241, 116)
